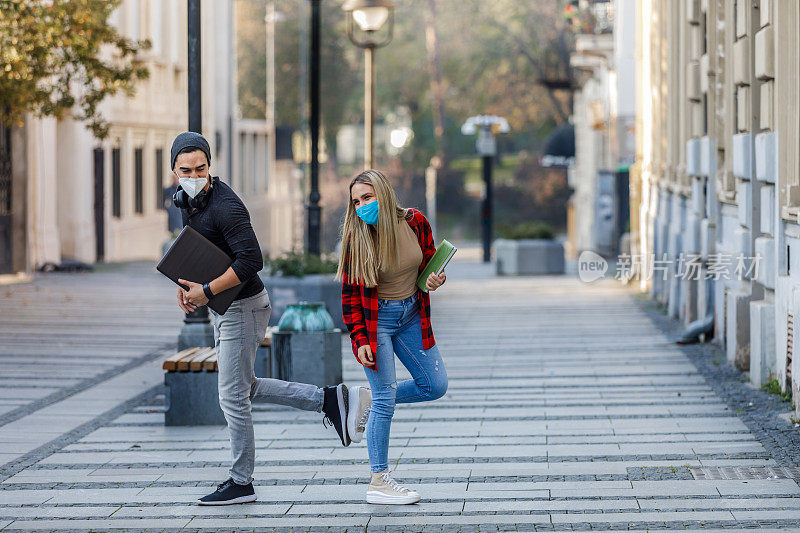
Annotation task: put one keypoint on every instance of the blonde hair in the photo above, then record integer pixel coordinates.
(366, 248)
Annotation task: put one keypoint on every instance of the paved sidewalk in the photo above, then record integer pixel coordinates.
(568, 408)
(73, 346)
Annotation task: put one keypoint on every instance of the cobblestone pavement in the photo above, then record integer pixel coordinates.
(569, 408)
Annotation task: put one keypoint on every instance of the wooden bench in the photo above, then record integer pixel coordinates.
(191, 380)
(192, 359)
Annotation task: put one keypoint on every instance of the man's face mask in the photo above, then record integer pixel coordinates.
(192, 186)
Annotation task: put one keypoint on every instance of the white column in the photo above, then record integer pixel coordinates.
(43, 239)
(75, 190)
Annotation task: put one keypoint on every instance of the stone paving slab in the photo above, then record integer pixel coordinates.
(551, 505)
(289, 441)
(367, 509)
(210, 474)
(96, 525)
(715, 503)
(459, 520)
(766, 515)
(665, 516)
(712, 528)
(289, 521)
(44, 511)
(192, 510)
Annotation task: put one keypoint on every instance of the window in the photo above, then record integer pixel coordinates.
(254, 162)
(703, 33)
(159, 178)
(138, 188)
(243, 166)
(116, 203)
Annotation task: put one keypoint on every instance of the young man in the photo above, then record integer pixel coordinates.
(212, 208)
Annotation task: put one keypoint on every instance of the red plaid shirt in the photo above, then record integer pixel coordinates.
(360, 304)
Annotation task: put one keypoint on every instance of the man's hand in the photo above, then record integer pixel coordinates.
(183, 303)
(195, 295)
(365, 355)
(434, 282)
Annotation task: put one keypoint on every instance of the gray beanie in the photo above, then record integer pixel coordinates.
(189, 139)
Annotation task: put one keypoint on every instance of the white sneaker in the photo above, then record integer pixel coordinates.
(358, 413)
(385, 490)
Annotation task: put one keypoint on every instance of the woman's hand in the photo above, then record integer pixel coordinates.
(434, 282)
(365, 355)
(195, 295)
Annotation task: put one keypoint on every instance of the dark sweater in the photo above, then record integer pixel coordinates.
(225, 222)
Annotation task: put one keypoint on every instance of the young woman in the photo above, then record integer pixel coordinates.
(384, 247)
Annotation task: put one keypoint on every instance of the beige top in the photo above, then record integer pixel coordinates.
(401, 281)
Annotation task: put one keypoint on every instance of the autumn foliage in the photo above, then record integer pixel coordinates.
(60, 56)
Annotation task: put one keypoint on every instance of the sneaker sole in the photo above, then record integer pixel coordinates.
(384, 499)
(240, 499)
(341, 397)
(355, 399)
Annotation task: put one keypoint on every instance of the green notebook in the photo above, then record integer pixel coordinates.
(443, 254)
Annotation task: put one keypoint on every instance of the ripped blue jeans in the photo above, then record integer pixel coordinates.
(399, 332)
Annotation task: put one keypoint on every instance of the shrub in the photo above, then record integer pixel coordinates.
(531, 229)
(298, 264)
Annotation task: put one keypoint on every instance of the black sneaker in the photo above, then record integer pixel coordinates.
(335, 406)
(228, 493)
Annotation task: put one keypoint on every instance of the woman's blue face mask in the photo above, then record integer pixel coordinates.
(369, 213)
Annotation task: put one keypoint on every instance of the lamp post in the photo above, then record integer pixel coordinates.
(314, 209)
(370, 15)
(196, 329)
(486, 145)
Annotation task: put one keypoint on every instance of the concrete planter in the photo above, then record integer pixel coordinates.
(308, 356)
(312, 288)
(527, 257)
(192, 399)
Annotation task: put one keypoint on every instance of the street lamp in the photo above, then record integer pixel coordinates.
(314, 210)
(196, 329)
(486, 126)
(370, 15)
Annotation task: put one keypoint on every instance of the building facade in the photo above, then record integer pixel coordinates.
(716, 183)
(603, 117)
(75, 197)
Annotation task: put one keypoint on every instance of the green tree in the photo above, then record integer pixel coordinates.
(340, 80)
(448, 60)
(63, 55)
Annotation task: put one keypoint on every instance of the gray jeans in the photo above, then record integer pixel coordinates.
(237, 334)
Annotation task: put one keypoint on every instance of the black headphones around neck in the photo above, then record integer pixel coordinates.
(181, 200)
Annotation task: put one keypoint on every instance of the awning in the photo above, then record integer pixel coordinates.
(559, 148)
